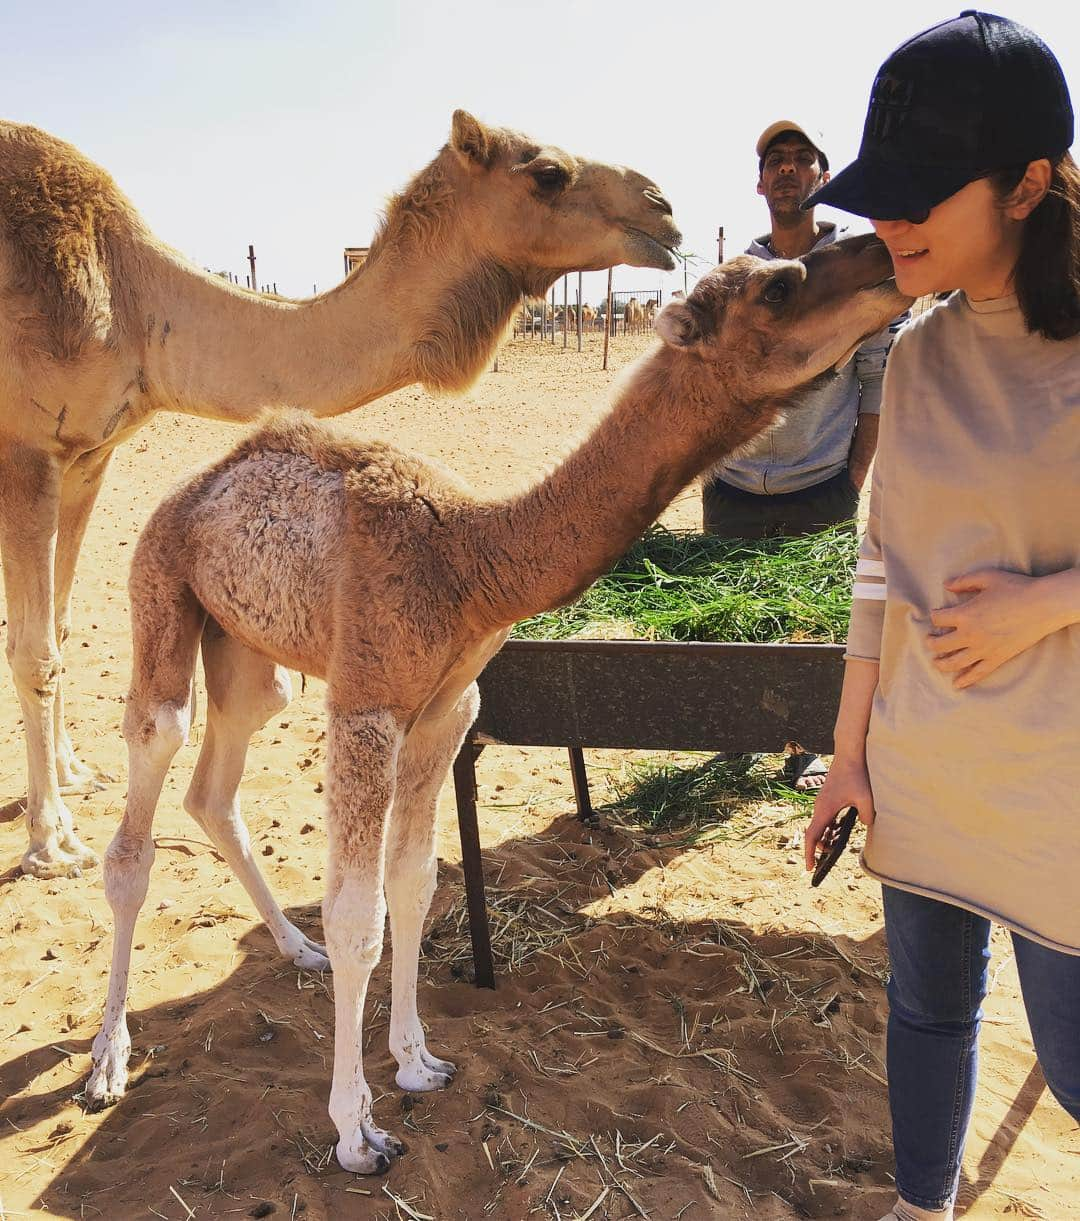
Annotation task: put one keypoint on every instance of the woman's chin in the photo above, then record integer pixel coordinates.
(914, 278)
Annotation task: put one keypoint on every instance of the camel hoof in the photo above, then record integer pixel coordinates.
(73, 846)
(311, 960)
(384, 1142)
(303, 952)
(74, 776)
(419, 1079)
(108, 1078)
(45, 863)
(436, 1065)
(361, 1160)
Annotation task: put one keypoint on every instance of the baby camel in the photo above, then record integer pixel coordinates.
(383, 574)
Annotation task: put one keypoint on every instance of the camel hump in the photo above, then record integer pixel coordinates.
(292, 431)
(58, 211)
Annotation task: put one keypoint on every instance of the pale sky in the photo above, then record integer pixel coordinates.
(287, 125)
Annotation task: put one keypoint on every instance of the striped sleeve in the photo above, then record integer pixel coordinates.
(870, 589)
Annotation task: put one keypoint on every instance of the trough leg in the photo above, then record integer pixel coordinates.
(472, 863)
(581, 783)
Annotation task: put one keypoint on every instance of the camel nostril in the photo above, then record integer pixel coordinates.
(657, 200)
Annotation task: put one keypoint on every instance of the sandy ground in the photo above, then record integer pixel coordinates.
(698, 1035)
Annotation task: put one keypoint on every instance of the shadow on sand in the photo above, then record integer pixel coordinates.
(674, 1063)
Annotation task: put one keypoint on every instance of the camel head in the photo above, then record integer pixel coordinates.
(771, 326)
(533, 206)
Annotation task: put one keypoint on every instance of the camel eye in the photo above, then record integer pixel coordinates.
(550, 177)
(776, 292)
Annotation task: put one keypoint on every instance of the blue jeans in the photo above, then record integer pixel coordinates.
(939, 956)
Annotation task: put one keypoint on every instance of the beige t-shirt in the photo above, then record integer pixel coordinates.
(977, 791)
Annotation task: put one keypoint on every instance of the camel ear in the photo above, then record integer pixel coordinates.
(470, 138)
(677, 325)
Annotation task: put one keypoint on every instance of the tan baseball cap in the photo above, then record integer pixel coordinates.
(810, 135)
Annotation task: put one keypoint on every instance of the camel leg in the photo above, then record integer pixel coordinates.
(29, 518)
(361, 766)
(411, 867)
(167, 624)
(244, 691)
(79, 491)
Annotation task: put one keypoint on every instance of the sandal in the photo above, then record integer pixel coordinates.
(803, 769)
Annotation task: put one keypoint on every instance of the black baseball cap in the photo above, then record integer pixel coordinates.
(968, 96)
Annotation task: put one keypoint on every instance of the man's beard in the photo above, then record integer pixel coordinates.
(787, 205)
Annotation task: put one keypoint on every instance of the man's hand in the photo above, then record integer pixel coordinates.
(1003, 614)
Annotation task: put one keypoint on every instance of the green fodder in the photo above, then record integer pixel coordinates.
(706, 799)
(682, 586)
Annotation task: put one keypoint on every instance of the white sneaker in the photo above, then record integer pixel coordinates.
(903, 1211)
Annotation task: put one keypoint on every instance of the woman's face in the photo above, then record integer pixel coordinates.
(969, 241)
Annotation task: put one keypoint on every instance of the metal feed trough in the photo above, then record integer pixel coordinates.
(640, 695)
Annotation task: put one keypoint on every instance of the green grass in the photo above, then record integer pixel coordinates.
(697, 801)
(681, 586)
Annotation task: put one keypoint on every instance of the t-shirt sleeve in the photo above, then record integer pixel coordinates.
(870, 588)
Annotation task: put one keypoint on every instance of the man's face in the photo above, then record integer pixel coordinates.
(790, 172)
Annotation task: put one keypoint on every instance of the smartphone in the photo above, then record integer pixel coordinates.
(834, 840)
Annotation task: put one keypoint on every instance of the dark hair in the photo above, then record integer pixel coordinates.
(787, 134)
(1048, 270)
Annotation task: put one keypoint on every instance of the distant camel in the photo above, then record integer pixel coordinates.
(632, 315)
(648, 314)
(102, 326)
(383, 574)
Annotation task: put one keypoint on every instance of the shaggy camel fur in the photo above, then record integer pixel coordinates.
(383, 574)
(101, 326)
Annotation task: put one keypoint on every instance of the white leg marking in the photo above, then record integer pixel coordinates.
(127, 874)
(411, 869)
(361, 768)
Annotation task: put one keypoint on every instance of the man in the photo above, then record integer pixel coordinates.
(805, 474)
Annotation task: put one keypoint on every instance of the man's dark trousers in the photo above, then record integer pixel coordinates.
(732, 513)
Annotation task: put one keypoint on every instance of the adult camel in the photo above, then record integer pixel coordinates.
(102, 325)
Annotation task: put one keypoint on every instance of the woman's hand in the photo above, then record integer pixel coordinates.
(847, 784)
(1003, 614)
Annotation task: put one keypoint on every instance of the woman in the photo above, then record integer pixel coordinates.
(958, 734)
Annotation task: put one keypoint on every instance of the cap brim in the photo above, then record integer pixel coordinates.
(881, 190)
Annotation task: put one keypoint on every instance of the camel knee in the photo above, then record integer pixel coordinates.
(267, 699)
(35, 670)
(410, 879)
(222, 823)
(279, 693)
(160, 729)
(353, 921)
(128, 860)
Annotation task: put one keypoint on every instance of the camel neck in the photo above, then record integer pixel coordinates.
(215, 350)
(666, 426)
